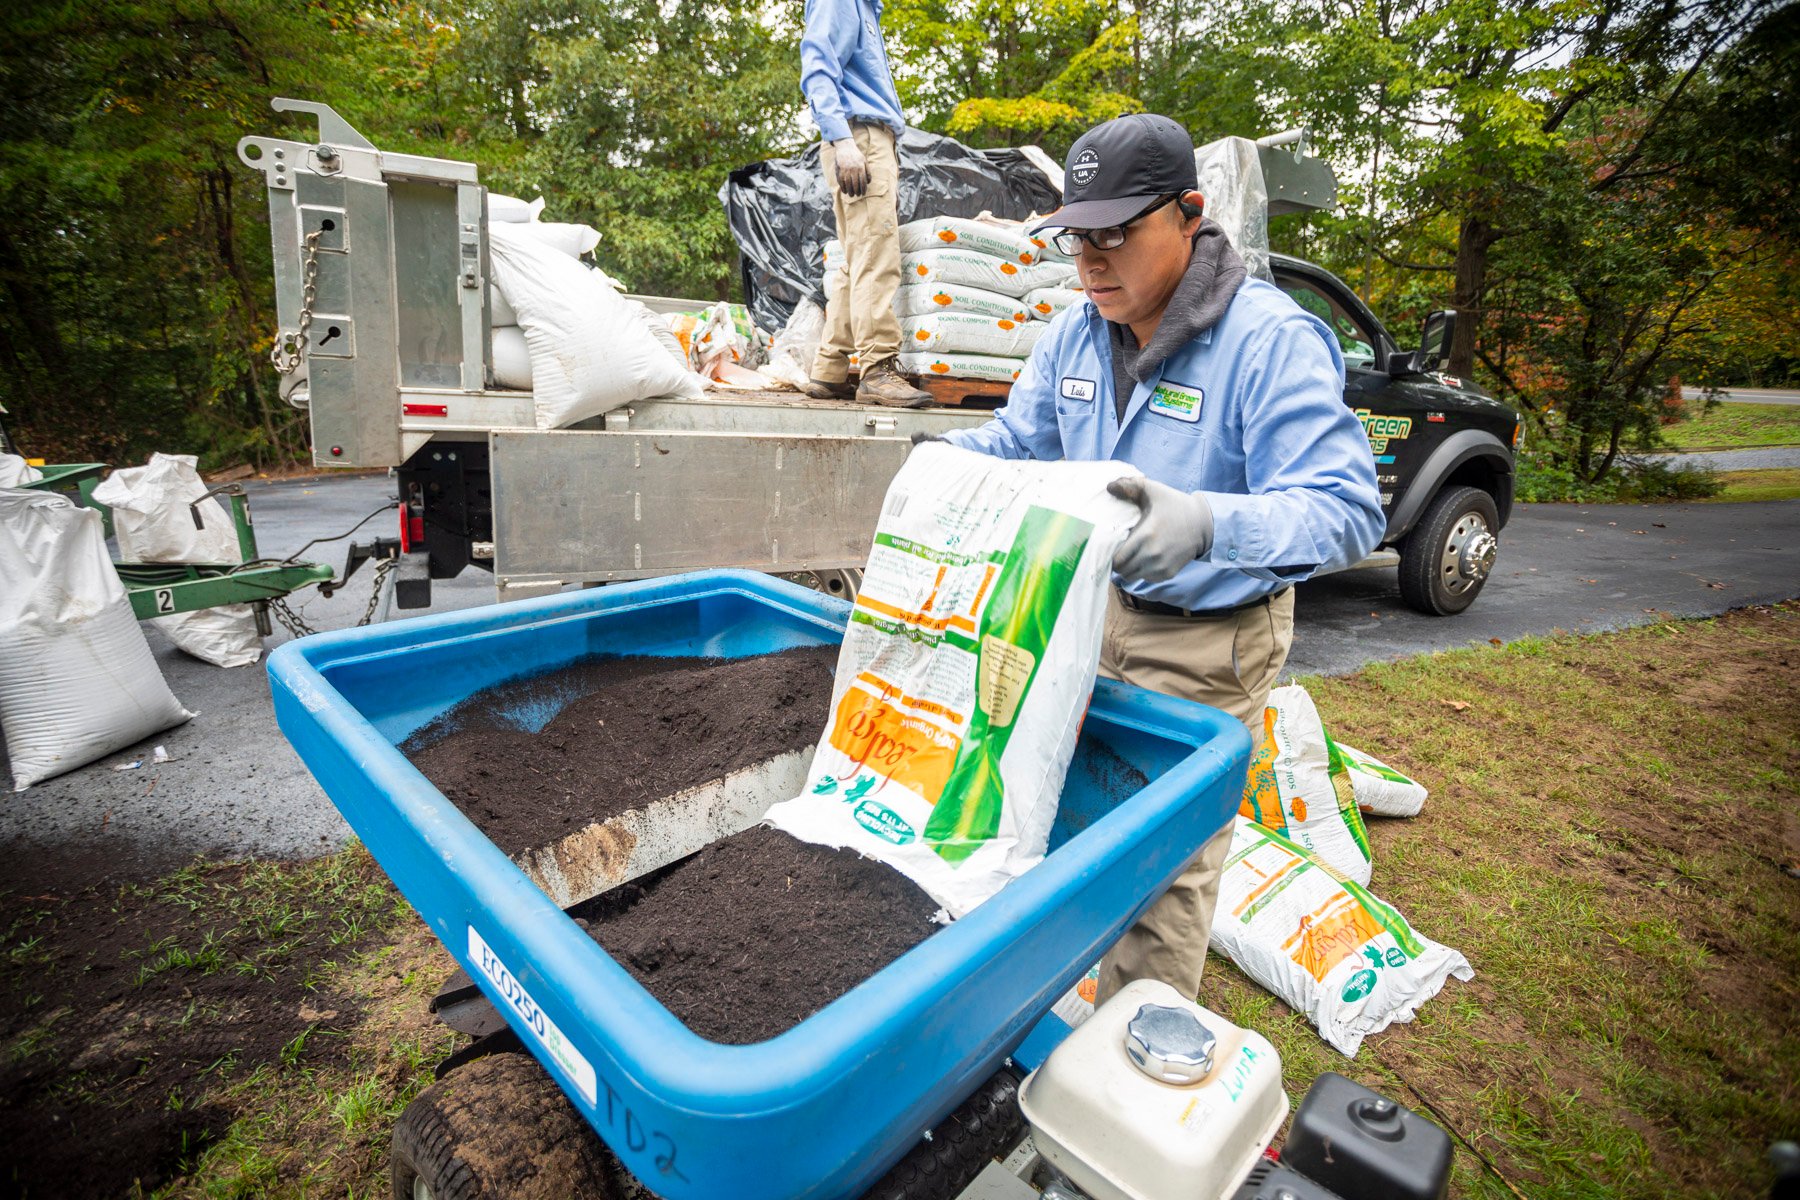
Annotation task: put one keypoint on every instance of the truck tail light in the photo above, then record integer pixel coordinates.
(412, 529)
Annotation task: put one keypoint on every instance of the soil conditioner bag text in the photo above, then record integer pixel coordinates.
(968, 663)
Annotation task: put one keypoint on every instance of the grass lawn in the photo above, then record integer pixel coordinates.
(1612, 840)
(1774, 483)
(1735, 426)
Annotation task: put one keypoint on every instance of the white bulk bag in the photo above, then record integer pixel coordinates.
(591, 352)
(154, 523)
(77, 680)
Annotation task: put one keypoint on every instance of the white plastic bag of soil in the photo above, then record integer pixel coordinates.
(966, 670)
(985, 271)
(591, 350)
(911, 300)
(966, 333)
(1299, 786)
(989, 367)
(160, 516)
(1008, 241)
(1323, 943)
(77, 680)
(1381, 790)
(1043, 304)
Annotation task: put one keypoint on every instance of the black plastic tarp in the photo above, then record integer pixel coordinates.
(780, 211)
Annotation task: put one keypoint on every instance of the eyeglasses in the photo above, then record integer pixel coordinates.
(1069, 240)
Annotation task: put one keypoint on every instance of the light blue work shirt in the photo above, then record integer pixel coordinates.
(844, 68)
(1250, 412)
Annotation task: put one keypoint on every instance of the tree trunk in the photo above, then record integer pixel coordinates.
(1472, 243)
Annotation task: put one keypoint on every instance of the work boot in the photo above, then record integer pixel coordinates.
(819, 389)
(883, 384)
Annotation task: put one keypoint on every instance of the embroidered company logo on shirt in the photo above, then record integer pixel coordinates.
(1178, 401)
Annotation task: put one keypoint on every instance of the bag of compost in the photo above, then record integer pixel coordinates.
(966, 669)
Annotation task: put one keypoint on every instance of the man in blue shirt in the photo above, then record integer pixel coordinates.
(1229, 398)
(844, 73)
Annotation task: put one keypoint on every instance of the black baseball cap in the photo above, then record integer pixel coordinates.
(1119, 168)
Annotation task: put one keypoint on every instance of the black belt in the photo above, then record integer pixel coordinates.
(1158, 609)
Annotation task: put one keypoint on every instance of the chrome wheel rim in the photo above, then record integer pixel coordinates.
(1468, 554)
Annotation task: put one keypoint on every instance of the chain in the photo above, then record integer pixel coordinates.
(381, 573)
(297, 625)
(288, 349)
(290, 620)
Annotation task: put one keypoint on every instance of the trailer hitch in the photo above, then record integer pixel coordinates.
(359, 553)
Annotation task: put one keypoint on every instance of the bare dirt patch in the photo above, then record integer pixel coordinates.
(124, 1006)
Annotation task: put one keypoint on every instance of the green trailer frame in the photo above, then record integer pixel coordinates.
(164, 589)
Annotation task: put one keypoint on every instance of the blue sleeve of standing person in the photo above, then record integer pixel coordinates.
(1313, 504)
(1026, 427)
(832, 28)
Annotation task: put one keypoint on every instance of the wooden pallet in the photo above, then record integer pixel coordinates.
(971, 393)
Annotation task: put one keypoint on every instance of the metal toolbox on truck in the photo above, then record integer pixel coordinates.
(823, 1109)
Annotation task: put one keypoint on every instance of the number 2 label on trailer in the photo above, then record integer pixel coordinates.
(165, 600)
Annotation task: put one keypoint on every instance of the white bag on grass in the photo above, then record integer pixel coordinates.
(591, 352)
(966, 670)
(961, 366)
(159, 517)
(1298, 786)
(1323, 943)
(914, 299)
(1379, 788)
(966, 333)
(938, 267)
(77, 680)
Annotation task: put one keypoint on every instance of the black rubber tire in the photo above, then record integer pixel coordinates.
(499, 1128)
(986, 1126)
(1423, 583)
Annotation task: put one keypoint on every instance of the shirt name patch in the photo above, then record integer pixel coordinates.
(1078, 389)
(1178, 401)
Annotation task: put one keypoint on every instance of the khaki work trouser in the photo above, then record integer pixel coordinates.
(1230, 663)
(859, 301)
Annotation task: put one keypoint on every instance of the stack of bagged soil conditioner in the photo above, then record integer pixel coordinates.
(1294, 910)
(974, 296)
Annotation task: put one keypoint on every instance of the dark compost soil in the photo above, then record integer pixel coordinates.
(757, 932)
(752, 934)
(629, 731)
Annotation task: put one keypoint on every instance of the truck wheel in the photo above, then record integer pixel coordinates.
(1447, 557)
(498, 1127)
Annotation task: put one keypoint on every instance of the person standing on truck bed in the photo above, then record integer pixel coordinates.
(1230, 399)
(844, 73)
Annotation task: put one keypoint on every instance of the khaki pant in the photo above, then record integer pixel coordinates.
(1230, 663)
(859, 302)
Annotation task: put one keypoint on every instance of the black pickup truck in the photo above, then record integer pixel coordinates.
(1443, 448)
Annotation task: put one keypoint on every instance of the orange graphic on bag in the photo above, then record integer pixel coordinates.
(1327, 938)
(873, 731)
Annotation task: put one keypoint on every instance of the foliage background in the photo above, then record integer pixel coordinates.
(1605, 189)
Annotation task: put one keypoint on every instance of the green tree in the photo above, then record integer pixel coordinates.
(636, 112)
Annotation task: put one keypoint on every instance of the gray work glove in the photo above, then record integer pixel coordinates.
(919, 439)
(1176, 528)
(852, 167)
